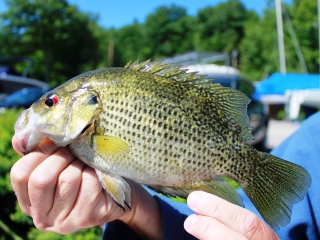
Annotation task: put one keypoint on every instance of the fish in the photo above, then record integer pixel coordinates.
(171, 130)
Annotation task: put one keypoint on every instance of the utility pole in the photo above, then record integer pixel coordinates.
(280, 36)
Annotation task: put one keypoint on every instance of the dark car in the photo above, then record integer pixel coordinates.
(257, 111)
(12, 80)
(23, 97)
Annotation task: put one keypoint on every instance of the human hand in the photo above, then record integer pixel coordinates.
(216, 218)
(63, 195)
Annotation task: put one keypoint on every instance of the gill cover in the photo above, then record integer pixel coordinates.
(66, 119)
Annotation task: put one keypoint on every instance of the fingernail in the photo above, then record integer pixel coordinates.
(189, 222)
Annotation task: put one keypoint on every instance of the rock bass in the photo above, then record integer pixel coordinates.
(171, 130)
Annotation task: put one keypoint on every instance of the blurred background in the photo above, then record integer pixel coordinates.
(267, 49)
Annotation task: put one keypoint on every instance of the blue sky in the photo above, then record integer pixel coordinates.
(118, 13)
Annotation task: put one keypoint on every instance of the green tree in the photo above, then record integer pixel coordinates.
(258, 48)
(221, 28)
(130, 43)
(259, 53)
(56, 35)
(169, 31)
(304, 20)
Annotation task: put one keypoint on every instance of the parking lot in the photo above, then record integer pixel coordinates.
(279, 130)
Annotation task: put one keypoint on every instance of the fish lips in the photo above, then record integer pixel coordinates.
(27, 135)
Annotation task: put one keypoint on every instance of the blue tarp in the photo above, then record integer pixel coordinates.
(279, 83)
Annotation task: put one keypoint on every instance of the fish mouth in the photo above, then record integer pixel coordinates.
(21, 135)
(26, 144)
(21, 143)
(27, 134)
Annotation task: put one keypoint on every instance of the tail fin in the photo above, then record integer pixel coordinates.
(275, 187)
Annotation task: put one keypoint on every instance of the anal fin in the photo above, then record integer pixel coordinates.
(217, 186)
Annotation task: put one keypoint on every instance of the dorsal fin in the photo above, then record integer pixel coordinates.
(168, 71)
(231, 102)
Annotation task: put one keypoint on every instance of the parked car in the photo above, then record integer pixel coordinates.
(23, 97)
(11, 80)
(257, 111)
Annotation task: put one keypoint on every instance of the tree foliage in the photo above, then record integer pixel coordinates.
(65, 42)
(56, 35)
(305, 22)
(169, 31)
(221, 28)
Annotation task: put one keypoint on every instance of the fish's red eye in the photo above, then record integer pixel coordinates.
(51, 100)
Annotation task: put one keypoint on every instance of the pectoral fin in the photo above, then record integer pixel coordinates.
(117, 187)
(109, 145)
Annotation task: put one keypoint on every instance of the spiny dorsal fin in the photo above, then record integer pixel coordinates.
(232, 102)
(168, 71)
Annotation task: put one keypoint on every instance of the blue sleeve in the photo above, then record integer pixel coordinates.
(173, 215)
(302, 148)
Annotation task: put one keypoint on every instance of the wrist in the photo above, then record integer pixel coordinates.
(144, 218)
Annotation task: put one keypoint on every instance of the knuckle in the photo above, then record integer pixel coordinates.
(206, 228)
(252, 226)
(57, 226)
(40, 223)
(65, 179)
(17, 175)
(40, 181)
(213, 209)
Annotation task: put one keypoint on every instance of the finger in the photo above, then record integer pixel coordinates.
(43, 181)
(22, 169)
(89, 208)
(94, 202)
(67, 189)
(207, 228)
(237, 218)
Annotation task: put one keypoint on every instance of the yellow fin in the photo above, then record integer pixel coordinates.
(109, 145)
(117, 187)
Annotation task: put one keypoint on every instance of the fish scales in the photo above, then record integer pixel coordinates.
(171, 130)
(178, 152)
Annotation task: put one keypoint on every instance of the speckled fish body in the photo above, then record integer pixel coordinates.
(171, 130)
